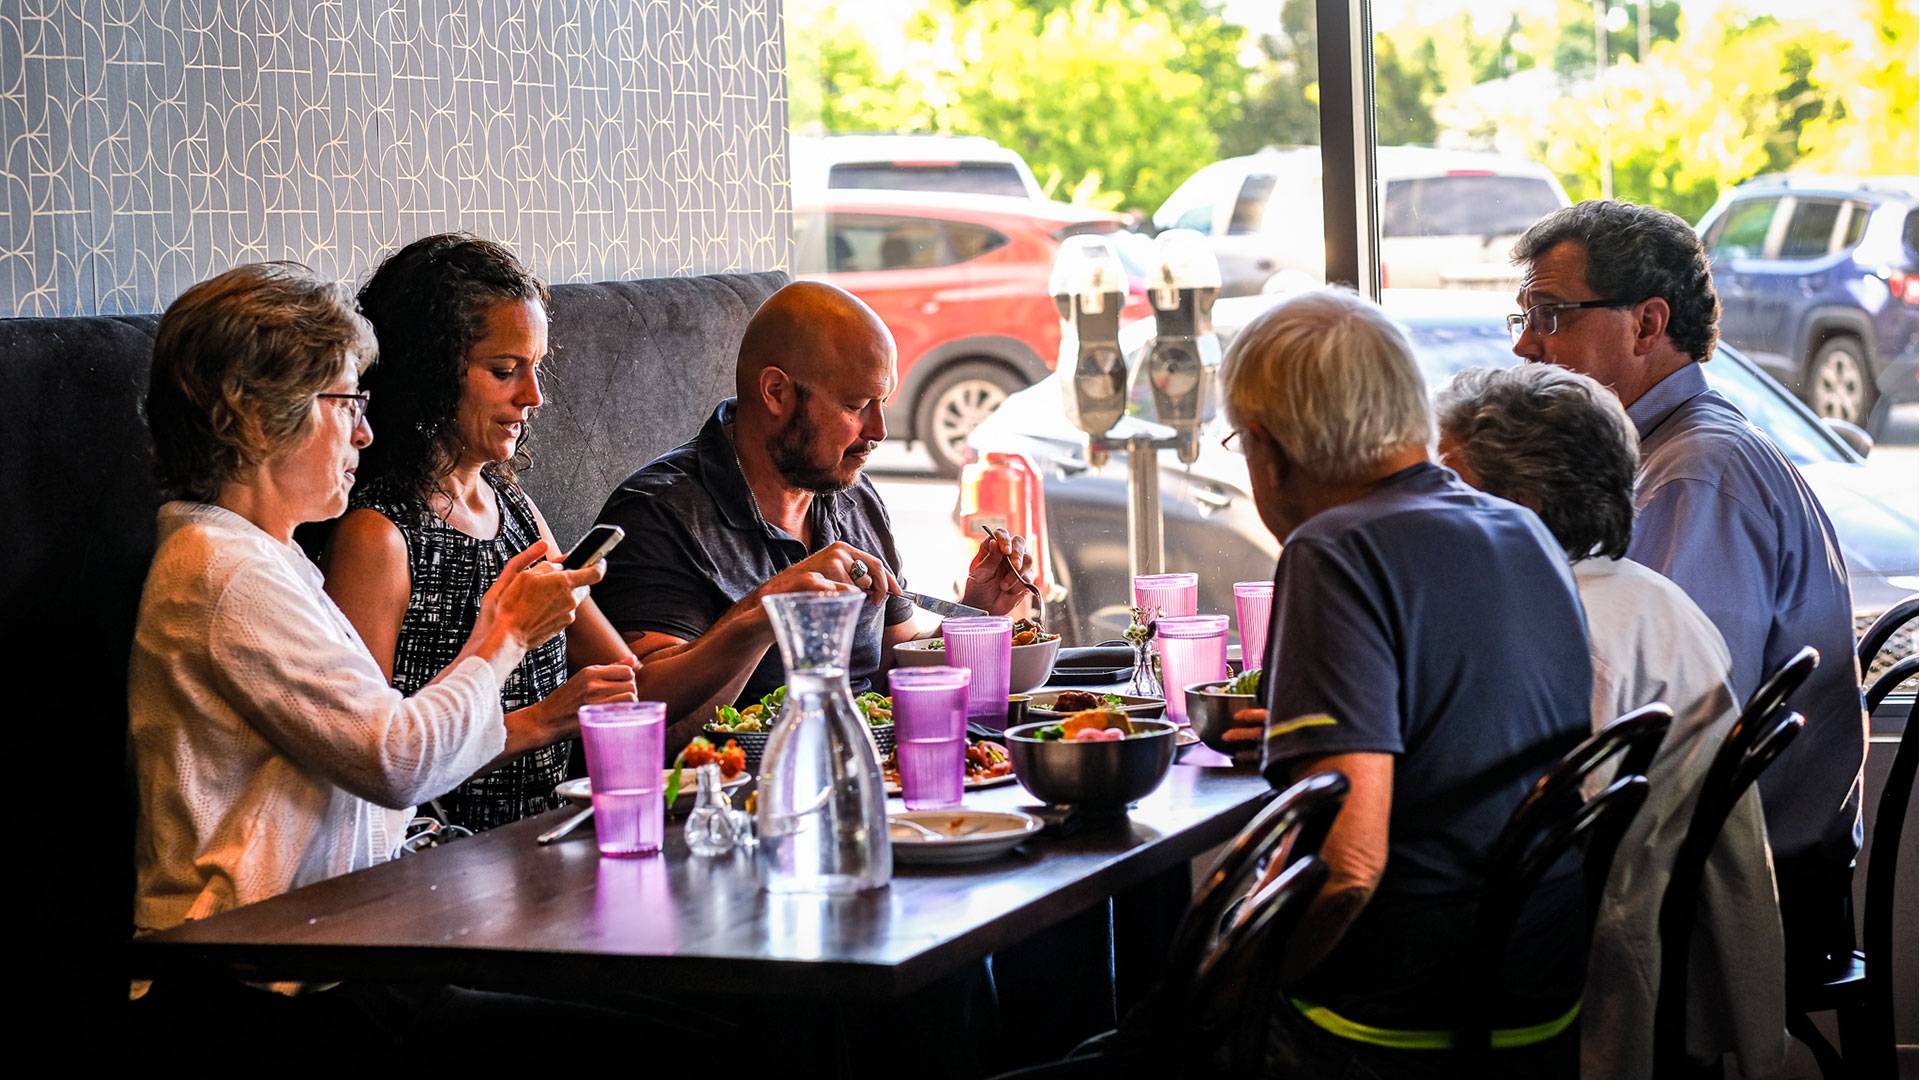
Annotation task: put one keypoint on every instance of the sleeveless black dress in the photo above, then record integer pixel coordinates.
(451, 571)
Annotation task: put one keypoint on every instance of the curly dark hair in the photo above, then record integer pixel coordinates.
(1553, 441)
(237, 361)
(1638, 252)
(428, 302)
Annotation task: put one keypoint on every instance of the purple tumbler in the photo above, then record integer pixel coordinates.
(1173, 594)
(1253, 606)
(626, 747)
(930, 734)
(1193, 648)
(983, 644)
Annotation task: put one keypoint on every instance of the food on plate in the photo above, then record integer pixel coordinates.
(876, 709)
(985, 761)
(1247, 682)
(1069, 701)
(1025, 632)
(731, 759)
(1088, 725)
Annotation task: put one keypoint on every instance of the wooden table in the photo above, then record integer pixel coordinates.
(500, 911)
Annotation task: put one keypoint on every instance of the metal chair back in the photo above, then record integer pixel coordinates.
(1883, 867)
(1212, 959)
(1549, 821)
(1760, 735)
(1883, 629)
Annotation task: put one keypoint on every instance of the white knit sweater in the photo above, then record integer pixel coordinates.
(270, 751)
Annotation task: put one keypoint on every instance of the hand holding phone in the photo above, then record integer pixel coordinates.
(594, 546)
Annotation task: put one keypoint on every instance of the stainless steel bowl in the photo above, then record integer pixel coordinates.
(1094, 778)
(1211, 712)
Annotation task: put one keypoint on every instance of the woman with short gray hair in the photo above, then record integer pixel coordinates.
(1560, 444)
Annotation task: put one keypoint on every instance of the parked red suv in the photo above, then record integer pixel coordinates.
(961, 280)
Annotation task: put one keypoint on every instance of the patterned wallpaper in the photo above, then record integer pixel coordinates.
(147, 144)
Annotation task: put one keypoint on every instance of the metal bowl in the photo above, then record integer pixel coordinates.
(1094, 778)
(1211, 712)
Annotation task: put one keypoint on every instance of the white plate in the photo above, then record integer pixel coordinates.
(580, 791)
(966, 835)
(893, 789)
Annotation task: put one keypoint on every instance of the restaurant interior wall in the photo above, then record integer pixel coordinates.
(145, 147)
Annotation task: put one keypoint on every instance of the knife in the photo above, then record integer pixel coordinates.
(938, 606)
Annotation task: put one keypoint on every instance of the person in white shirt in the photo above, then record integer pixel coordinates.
(269, 750)
(1560, 444)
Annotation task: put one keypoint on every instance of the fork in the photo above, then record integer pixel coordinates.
(1024, 583)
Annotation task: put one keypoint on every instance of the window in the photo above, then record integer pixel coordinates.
(1741, 232)
(959, 177)
(966, 240)
(1198, 218)
(865, 242)
(1250, 208)
(1856, 223)
(1465, 205)
(1810, 229)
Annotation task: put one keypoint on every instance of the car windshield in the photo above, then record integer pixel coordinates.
(961, 177)
(1445, 347)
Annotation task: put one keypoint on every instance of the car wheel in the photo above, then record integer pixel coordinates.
(954, 404)
(1838, 384)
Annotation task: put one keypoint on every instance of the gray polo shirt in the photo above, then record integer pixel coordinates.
(696, 544)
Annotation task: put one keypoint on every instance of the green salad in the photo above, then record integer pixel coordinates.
(1247, 682)
(876, 709)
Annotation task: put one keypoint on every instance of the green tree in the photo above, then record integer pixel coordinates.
(1867, 122)
(835, 82)
(1283, 104)
(1091, 93)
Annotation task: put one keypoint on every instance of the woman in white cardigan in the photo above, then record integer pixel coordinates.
(270, 751)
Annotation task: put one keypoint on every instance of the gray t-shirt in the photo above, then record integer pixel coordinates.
(696, 544)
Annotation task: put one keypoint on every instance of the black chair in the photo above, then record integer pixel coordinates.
(1860, 993)
(1549, 821)
(1209, 1015)
(1883, 629)
(1763, 730)
(1223, 972)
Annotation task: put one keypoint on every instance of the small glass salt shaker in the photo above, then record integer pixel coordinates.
(710, 828)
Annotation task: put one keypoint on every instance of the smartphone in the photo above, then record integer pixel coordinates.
(594, 546)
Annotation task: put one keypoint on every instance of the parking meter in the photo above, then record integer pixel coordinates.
(1089, 287)
(1183, 360)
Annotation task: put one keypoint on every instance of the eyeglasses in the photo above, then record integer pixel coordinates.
(1546, 317)
(1227, 442)
(359, 406)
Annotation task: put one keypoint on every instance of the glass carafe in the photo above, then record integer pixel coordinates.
(821, 815)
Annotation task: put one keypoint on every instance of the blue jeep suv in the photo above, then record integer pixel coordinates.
(1818, 286)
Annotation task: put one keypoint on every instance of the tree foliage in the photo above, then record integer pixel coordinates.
(1114, 102)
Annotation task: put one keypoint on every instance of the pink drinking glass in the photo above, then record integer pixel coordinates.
(1173, 594)
(930, 734)
(1193, 648)
(626, 751)
(983, 644)
(1253, 606)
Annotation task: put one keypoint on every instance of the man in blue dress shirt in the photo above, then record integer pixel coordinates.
(1623, 293)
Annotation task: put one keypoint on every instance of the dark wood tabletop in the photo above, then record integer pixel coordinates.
(499, 910)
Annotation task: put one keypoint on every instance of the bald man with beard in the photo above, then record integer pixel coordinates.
(770, 498)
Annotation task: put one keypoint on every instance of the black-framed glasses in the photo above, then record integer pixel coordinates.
(1546, 317)
(359, 406)
(1230, 440)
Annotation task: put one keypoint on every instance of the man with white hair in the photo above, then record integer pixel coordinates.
(1427, 642)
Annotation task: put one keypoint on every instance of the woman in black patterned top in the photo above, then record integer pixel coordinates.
(436, 511)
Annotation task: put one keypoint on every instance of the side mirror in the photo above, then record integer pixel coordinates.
(1850, 433)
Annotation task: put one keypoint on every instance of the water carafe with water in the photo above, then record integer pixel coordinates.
(821, 815)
